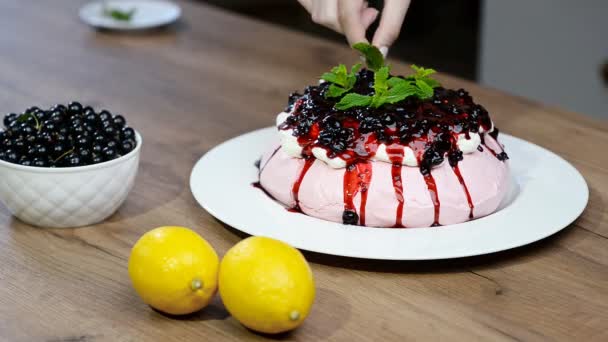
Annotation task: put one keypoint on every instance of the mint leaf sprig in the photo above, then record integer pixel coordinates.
(387, 89)
(392, 89)
(373, 57)
(118, 14)
(342, 81)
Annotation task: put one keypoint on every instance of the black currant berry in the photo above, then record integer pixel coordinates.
(12, 156)
(74, 108)
(9, 118)
(72, 160)
(82, 141)
(350, 217)
(127, 146)
(127, 133)
(104, 115)
(96, 158)
(40, 162)
(119, 121)
(97, 148)
(25, 161)
(58, 150)
(85, 155)
(109, 153)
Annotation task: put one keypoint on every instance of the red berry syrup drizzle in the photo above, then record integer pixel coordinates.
(357, 178)
(261, 169)
(483, 142)
(430, 184)
(502, 155)
(466, 190)
(259, 186)
(395, 154)
(296, 186)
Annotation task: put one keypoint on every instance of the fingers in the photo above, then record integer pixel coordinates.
(325, 12)
(349, 17)
(306, 4)
(368, 16)
(390, 23)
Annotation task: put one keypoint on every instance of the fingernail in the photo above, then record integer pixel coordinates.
(383, 50)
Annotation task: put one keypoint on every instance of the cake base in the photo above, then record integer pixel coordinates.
(379, 194)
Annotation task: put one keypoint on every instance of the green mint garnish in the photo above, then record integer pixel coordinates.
(373, 56)
(393, 89)
(387, 89)
(342, 81)
(423, 81)
(118, 14)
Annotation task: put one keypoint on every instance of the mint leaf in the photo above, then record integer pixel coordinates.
(352, 77)
(393, 81)
(353, 100)
(337, 75)
(341, 75)
(422, 72)
(380, 80)
(399, 92)
(330, 77)
(335, 91)
(23, 117)
(380, 86)
(118, 14)
(341, 79)
(431, 82)
(373, 56)
(424, 90)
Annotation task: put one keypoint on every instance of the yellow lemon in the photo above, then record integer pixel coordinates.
(174, 270)
(266, 285)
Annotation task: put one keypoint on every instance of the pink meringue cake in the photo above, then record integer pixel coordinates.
(413, 160)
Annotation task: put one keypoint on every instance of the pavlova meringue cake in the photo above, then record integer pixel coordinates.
(367, 148)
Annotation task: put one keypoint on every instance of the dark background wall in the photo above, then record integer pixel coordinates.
(436, 33)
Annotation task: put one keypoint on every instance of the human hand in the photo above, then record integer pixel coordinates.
(353, 17)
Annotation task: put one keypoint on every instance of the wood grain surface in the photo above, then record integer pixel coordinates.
(216, 75)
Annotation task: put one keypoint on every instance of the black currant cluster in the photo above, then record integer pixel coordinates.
(443, 144)
(64, 136)
(334, 136)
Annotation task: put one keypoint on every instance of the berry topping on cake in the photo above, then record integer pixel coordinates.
(360, 114)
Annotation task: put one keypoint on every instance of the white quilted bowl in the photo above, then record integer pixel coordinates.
(68, 197)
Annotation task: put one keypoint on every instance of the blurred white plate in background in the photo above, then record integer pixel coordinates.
(148, 14)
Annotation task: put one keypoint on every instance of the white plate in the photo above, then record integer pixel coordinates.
(148, 14)
(547, 195)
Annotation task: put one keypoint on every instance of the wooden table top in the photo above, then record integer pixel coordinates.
(217, 75)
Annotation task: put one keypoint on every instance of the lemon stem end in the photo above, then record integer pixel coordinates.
(294, 315)
(196, 284)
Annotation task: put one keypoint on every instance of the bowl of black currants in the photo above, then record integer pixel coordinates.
(66, 166)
